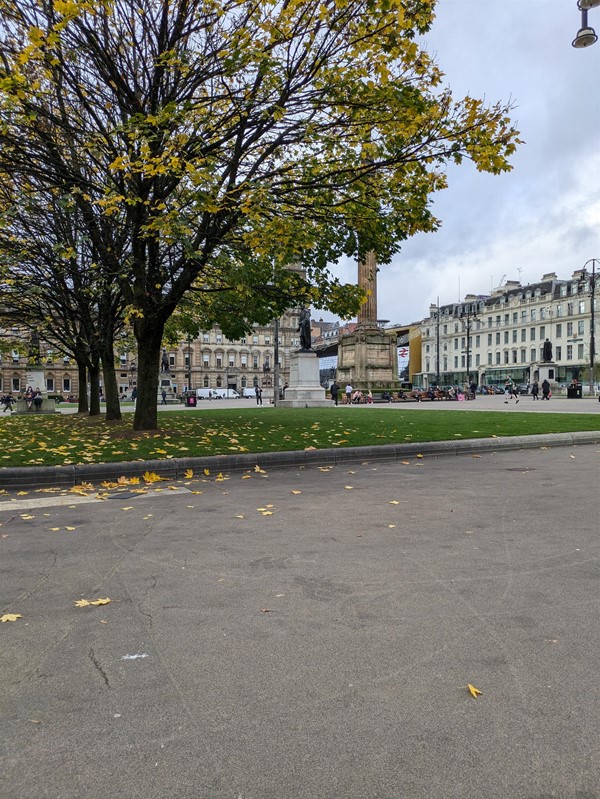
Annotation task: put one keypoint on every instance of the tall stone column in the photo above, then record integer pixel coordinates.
(367, 280)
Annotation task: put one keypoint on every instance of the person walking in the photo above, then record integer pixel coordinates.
(511, 391)
(335, 392)
(545, 390)
(535, 390)
(164, 397)
(348, 394)
(7, 401)
(258, 392)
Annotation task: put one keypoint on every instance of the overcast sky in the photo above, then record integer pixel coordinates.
(544, 216)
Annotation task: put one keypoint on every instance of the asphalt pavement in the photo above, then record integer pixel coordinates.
(308, 633)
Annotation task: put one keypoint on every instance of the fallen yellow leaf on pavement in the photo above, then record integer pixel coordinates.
(474, 691)
(11, 617)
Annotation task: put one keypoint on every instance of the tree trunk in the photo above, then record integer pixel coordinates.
(94, 370)
(82, 403)
(111, 390)
(149, 338)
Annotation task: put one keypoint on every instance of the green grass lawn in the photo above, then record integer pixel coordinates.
(67, 439)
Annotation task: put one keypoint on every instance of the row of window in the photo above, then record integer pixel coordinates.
(572, 329)
(16, 384)
(510, 357)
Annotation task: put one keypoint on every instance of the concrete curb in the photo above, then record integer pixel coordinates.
(44, 476)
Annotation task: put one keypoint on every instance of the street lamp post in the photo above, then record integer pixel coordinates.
(437, 345)
(276, 363)
(470, 314)
(586, 35)
(592, 278)
(189, 348)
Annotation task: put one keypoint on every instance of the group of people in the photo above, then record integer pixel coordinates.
(33, 399)
(351, 396)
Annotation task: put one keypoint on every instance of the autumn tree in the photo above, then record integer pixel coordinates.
(231, 138)
(50, 283)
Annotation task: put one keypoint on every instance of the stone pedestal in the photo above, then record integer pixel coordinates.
(36, 378)
(368, 360)
(545, 370)
(47, 406)
(304, 390)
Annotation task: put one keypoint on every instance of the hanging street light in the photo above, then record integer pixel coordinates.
(586, 35)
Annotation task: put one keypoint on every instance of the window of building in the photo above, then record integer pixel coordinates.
(489, 339)
(445, 329)
(477, 341)
(533, 314)
(523, 355)
(523, 334)
(569, 309)
(532, 334)
(67, 384)
(558, 353)
(462, 343)
(219, 361)
(489, 321)
(219, 381)
(569, 329)
(523, 317)
(255, 361)
(206, 381)
(244, 381)
(505, 356)
(580, 327)
(49, 384)
(206, 360)
(206, 338)
(477, 360)
(569, 352)
(542, 332)
(497, 338)
(506, 334)
(427, 349)
(580, 351)
(514, 356)
(244, 362)
(455, 343)
(243, 340)
(506, 318)
(515, 317)
(559, 310)
(186, 359)
(255, 381)
(533, 354)
(489, 358)
(563, 290)
(456, 361)
(171, 361)
(498, 358)
(581, 306)
(267, 340)
(456, 327)
(558, 331)
(462, 362)
(219, 338)
(514, 336)
(498, 320)
(231, 360)
(16, 384)
(445, 366)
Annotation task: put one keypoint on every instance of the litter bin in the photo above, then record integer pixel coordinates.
(574, 392)
(190, 401)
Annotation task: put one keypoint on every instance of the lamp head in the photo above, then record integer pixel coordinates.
(585, 37)
(585, 5)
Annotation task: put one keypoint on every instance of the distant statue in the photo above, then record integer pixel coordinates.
(33, 355)
(547, 351)
(304, 328)
(164, 362)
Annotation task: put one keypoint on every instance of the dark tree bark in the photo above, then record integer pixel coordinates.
(82, 403)
(149, 337)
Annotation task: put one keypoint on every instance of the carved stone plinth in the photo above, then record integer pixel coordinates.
(368, 359)
(304, 390)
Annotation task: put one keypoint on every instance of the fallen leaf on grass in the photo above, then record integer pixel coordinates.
(11, 617)
(474, 691)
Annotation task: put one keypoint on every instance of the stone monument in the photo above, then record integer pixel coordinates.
(35, 378)
(546, 368)
(368, 357)
(304, 389)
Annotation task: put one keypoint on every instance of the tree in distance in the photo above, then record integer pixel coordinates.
(229, 139)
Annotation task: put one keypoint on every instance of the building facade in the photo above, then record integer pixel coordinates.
(209, 361)
(487, 338)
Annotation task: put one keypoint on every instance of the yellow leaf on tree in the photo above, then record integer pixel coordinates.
(474, 691)
(11, 617)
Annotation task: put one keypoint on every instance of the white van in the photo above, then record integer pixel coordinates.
(228, 393)
(249, 393)
(207, 393)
